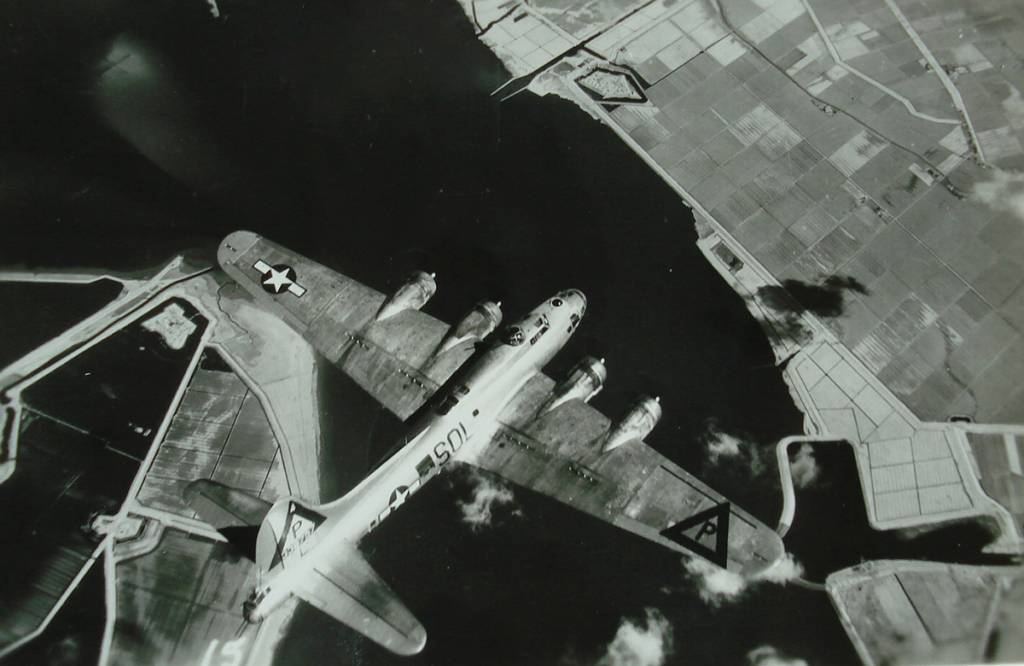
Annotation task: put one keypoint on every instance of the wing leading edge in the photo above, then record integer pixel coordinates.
(560, 453)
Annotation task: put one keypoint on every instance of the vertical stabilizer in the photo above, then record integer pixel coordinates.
(286, 533)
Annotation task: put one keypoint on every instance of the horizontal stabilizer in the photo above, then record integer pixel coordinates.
(223, 506)
(349, 590)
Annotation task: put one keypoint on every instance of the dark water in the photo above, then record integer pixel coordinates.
(119, 390)
(85, 427)
(74, 637)
(62, 478)
(551, 587)
(831, 530)
(363, 134)
(34, 312)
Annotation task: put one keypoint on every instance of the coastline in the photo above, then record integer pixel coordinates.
(840, 396)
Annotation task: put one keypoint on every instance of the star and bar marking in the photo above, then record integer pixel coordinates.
(279, 278)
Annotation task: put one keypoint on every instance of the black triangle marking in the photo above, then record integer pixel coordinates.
(712, 522)
(303, 513)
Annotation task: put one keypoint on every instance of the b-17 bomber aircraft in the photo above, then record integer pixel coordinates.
(469, 396)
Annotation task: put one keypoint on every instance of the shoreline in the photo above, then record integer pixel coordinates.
(866, 413)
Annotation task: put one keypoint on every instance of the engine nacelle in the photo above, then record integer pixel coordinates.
(475, 326)
(584, 381)
(413, 294)
(637, 423)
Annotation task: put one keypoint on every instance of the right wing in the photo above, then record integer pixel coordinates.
(344, 586)
(560, 453)
(398, 360)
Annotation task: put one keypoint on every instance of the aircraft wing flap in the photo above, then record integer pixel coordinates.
(394, 360)
(559, 453)
(350, 591)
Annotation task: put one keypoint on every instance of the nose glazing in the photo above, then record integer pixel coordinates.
(580, 298)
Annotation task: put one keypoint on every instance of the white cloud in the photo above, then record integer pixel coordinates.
(766, 655)
(722, 444)
(804, 467)
(1004, 192)
(717, 585)
(488, 494)
(723, 447)
(636, 645)
(783, 571)
(714, 583)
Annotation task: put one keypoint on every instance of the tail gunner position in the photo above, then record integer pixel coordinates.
(494, 409)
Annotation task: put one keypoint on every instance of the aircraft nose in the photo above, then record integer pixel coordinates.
(580, 298)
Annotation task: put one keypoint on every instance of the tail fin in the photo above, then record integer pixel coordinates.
(285, 533)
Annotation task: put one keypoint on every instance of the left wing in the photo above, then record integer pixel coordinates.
(561, 453)
(400, 359)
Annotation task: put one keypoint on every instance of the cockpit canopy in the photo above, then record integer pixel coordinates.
(531, 328)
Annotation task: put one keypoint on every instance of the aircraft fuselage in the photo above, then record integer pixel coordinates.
(464, 416)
